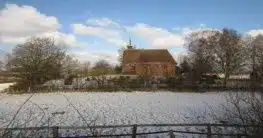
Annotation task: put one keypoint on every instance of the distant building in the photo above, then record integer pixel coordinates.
(148, 62)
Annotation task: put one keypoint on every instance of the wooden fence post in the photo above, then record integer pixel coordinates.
(171, 134)
(55, 132)
(209, 131)
(134, 129)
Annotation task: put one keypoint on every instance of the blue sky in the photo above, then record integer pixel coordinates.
(95, 29)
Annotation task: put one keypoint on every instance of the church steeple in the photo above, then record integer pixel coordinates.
(130, 43)
(130, 46)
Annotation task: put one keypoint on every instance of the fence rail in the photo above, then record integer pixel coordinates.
(134, 133)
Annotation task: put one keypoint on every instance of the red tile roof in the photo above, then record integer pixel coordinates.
(147, 55)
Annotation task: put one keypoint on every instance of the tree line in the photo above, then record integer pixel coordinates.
(223, 51)
(40, 59)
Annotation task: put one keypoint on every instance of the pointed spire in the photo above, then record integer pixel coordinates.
(130, 43)
(129, 46)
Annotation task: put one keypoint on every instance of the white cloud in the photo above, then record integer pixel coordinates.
(65, 39)
(102, 22)
(255, 32)
(158, 37)
(110, 35)
(12, 40)
(68, 40)
(94, 31)
(111, 57)
(162, 38)
(18, 23)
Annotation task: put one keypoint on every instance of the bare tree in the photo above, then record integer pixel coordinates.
(120, 54)
(256, 54)
(228, 51)
(185, 65)
(101, 67)
(2, 66)
(200, 50)
(218, 51)
(36, 61)
(85, 68)
(69, 66)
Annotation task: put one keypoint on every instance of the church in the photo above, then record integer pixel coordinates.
(148, 62)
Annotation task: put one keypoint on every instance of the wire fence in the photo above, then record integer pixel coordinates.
(208, 131)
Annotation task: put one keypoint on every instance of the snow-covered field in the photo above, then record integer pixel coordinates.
(105, 108)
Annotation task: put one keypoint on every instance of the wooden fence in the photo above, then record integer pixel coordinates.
(208, 133)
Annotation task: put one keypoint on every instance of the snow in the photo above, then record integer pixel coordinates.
(104, 108)
(110, 108)
(5, 85)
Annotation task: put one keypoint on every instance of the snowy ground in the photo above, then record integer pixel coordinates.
(106, 108)
(4, 85)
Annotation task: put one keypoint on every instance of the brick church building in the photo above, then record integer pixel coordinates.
(148, 62)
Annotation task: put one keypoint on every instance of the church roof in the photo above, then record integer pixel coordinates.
(147, 55)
